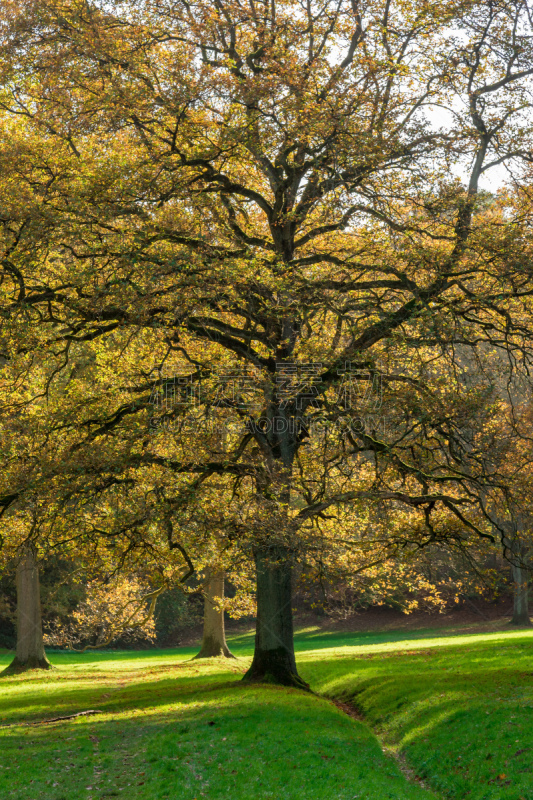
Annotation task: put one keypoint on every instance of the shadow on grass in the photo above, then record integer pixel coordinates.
(221, 740)
(462, 714)
(40, 696)
(317, 639)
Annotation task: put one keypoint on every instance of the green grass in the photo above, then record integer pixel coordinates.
(459, 708)
(179, 729)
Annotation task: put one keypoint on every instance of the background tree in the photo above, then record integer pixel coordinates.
(30, 646)
(214, 636)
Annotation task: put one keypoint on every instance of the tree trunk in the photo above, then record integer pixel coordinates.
(521, 591)
(214, 638)
(274, 660)
(30, 648)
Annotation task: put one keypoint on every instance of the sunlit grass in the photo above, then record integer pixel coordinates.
(459, 707)
(172, 728)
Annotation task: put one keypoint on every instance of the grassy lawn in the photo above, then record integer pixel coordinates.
(183, 730)
(460, 709)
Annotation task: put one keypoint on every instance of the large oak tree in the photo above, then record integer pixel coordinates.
(246, 189)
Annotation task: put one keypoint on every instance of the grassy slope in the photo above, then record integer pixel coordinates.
(182, 730)
(461, 709)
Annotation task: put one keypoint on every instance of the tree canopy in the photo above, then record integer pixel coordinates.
(269, 216)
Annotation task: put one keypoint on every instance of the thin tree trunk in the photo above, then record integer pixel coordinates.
(274, 660)
(521, 590)
(214, 638)
(30, 647)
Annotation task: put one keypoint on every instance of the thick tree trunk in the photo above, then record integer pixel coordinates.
(274, 660)
(521, 590)
(214, 638)
(30, 648)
